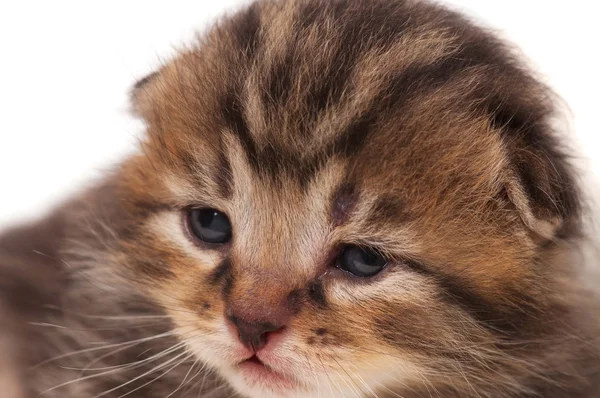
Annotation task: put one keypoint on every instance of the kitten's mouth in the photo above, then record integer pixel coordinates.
(256, 372)
(254, 359)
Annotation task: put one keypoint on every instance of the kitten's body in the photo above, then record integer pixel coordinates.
(315, 124)
(69, 313)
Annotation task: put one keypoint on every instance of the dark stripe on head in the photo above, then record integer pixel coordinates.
(343, 203)
(317, 294)
(358, 34)
(294, 301)
(189, 163)
(245, 28)
(306, 170)
(415, 80)
(223, 275)
(418, 79)
(351, 141)
(388, 209)
(508, 115)
(233, 117)
(280, 81)
(495, 317)
(224, 176)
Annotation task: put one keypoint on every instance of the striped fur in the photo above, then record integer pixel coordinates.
(391, 124)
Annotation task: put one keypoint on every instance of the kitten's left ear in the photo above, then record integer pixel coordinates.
(540, 182)
(141, 94)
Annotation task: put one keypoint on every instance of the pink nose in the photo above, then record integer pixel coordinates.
(253, 335)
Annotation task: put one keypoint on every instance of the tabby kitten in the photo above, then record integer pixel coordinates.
(333, 199)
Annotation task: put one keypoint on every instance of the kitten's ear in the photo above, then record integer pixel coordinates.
(541, 185)
(141, 94)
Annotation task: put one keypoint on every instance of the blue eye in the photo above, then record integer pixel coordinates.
(210, 225)
(361, 262)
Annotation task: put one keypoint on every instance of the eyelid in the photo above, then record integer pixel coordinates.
(393, 259)
(339, 274)
(203, 205)
(394, 263)
(365, 246)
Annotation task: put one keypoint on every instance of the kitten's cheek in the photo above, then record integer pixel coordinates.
(213, 345)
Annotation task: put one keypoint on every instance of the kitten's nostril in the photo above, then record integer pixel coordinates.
(253, 335)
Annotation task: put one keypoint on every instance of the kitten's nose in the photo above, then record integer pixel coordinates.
(253, 335)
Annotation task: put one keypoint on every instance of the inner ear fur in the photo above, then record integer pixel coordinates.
(540, 182)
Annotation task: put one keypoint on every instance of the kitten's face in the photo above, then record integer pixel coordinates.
(327, 217)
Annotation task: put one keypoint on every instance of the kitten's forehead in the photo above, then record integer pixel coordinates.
(299, 99)
(293, 86)
(288, 223)
(298, 83)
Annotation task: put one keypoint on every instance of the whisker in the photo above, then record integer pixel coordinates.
(349, 378)
(145, 384)
(130, 364)
(120, 327)
(107, 317)
(365, 384)
(100, 374)
(187, 384)
(391, 377)
(328, 377)
(203, 380)
(218, 388)
(183, 382)
(167, 334)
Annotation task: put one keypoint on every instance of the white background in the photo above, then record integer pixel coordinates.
(66, 68)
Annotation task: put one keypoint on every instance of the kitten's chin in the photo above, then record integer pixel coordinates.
(254, 379)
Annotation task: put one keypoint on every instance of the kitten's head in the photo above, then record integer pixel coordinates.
(348, 196)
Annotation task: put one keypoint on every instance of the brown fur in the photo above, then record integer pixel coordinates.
(390, 124)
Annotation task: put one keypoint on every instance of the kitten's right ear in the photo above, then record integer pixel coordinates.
(142, 93)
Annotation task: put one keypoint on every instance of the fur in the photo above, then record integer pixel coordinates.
(391, 124)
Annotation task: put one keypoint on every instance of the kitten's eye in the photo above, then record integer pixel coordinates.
(210, 225)
(361, 262)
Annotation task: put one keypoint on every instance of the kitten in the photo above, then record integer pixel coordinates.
(333, 198)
